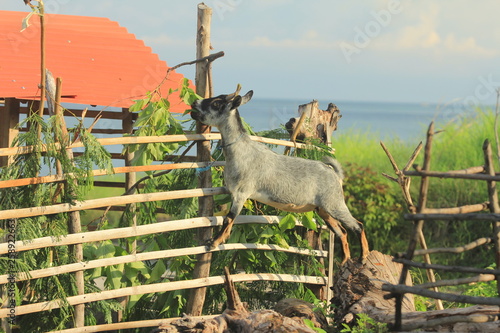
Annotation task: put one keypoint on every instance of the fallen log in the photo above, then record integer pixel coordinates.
(236, 318)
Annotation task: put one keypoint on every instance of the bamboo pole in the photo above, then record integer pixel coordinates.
(110, 201)
(43, 70)
(160, 287)
(494, 206)
(166, 226)
(130, 324)
(196, 298)
(70, 268)
(101, 172)
(130, 180)
(129, 140)
(147, 229)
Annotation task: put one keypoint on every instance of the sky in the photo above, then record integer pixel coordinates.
(380, 50)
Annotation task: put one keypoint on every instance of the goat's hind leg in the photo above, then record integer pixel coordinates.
(337, 229)
(227, 224)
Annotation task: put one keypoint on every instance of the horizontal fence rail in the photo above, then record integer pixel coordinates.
(131, 140)
(155, 255)
(117, 170)
(110, 201)
(160, 287)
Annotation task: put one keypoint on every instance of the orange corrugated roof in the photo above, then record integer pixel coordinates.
(99, 61)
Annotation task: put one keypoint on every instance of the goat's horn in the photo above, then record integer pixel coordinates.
(233, 95)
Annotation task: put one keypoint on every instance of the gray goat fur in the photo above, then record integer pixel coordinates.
(288, 183)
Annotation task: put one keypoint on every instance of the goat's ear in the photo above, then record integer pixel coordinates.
(245, 99)
(238, 100)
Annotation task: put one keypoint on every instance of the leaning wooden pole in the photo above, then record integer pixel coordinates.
(417, 229)
(494, 206)
(202, 82)
(74, 223)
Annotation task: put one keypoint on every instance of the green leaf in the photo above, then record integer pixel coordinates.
(308, 221)
(138, 105)
(267, 233)
(287, 222)
(105, 250)
(157, 272)
(113, 277)
(311, 325)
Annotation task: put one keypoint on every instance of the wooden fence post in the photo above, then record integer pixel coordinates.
(8, 130)
(74, 222)
(494, 206)
(206, 205)
(417, 236)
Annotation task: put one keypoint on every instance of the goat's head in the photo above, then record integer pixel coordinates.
(215, 110)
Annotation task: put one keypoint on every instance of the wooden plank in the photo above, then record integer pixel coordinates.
(165, 226)
(159, 287)
(69, 268)
(110, 201)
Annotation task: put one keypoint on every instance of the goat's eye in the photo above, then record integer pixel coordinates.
(216, 104)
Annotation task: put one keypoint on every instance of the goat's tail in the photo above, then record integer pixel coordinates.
(330, 161)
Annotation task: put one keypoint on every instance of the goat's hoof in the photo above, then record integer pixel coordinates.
(209, 244)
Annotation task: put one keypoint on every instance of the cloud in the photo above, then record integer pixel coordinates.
(425, 29)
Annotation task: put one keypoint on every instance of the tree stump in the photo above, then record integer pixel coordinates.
(314, 123)
(358, 289)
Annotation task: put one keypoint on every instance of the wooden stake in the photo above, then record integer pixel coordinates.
(417, 231)
(74, 222)
(202, 267)
(494, 206)
(8, 126)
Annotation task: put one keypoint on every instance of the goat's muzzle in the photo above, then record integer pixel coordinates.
(195, 113)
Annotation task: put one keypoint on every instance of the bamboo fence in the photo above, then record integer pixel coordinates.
(80, 238)
(419, 214)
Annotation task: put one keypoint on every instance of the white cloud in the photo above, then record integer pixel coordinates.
(425, 28)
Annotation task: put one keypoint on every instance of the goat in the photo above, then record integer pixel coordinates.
(288, 183)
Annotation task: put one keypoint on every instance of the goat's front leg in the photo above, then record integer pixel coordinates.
(227, 224)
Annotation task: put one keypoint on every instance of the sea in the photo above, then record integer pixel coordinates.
(380, 120)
